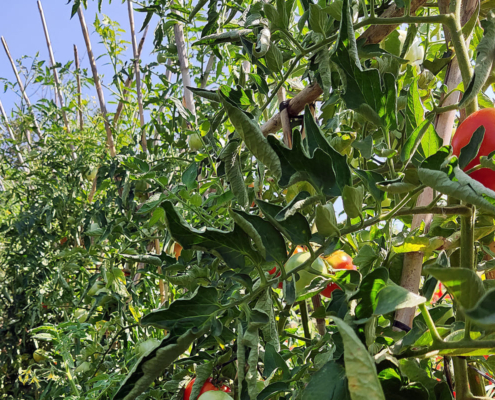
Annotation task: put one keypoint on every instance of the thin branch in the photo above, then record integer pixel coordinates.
(96, 78)
(23, 91)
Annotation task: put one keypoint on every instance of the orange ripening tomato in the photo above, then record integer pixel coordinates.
(486, 118)
(177, 250)
(63, 241)
(337, 260)
(207, 387)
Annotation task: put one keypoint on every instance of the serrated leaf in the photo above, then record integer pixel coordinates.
(469, 152)
(328, 383)
(263, 43)
(143, 258)
(232, 246)
(186, 313)
(150, 367)
(394, 297)
(432, 173)
(224, 37)
(484, 61)
(274, 58)
(271, 239)
(251, 134)
(368, 292)
(463, 283)
(295, 227)
(230, 156)
(360, 368)
(483, 313)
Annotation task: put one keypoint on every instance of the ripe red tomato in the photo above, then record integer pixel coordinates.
(338, 260)
(485, 117)
(271, 272)
(207, 387)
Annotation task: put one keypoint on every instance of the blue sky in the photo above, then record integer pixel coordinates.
(20, 24)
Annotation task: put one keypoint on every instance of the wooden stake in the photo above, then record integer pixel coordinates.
(23, 91)
(208, 69)
(128, 83)
(184, 66)
(284, 118)
(163, 292)
(58, 91)
(444, 123)
(96, 78)
(11, 134)
(137, 73)
(79, 89)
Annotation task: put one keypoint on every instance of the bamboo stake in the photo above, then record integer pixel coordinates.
(444, 123)
(163, 292)
(184, 66)
(137, 73)
(11, 134)
(208, 69)
(79, 89)
(284, 118)
(58, 91)
(52, 60)
(128, 83)
(96, 78)
(23, 91)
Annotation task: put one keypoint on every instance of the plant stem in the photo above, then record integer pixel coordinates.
(429, 322)
(304, 319)
(461, 379)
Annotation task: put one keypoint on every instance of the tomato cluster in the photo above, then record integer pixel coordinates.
(337, 260)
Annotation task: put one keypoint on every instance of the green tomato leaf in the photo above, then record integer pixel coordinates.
(464, 284)
(394, 297)
(360, 368)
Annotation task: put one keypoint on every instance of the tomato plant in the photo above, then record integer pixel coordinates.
(182, 204)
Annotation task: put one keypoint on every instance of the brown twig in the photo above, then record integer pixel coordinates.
(96, 78)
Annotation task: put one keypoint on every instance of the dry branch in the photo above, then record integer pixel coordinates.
(209, 66)
(96, 78)
(23, 91)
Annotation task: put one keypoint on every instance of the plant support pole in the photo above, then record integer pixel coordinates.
(137, 73)
(55, 74)
(11, 134)
(96, 78)
(23, 91)
(79, 89)
(444, 123)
